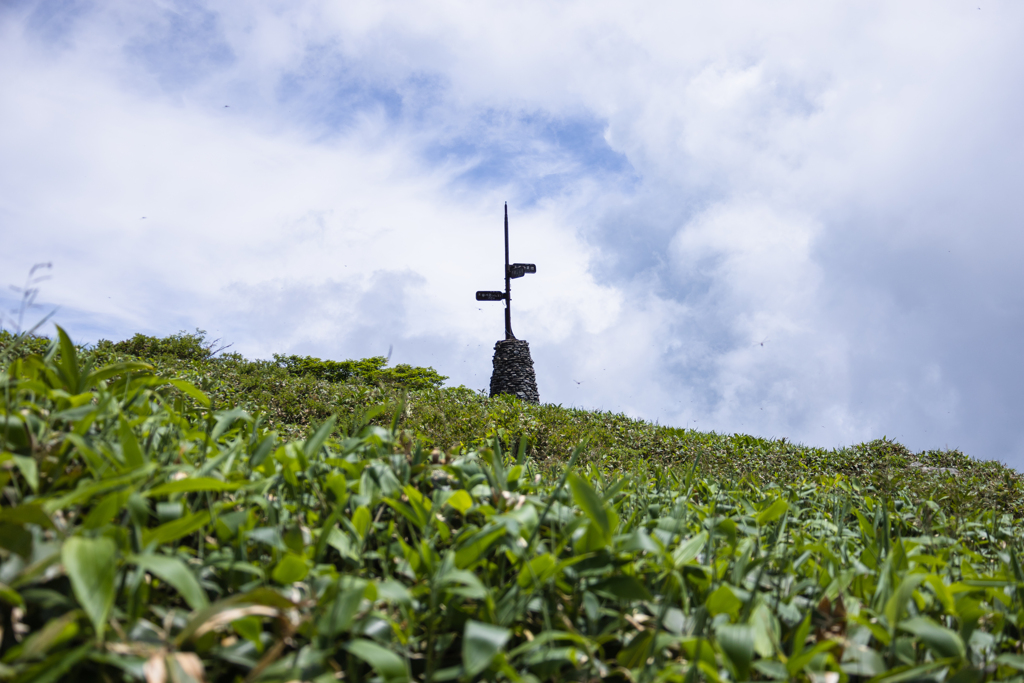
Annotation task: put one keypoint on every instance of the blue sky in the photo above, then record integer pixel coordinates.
(797, 220)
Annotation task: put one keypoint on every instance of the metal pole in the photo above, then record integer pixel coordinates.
(508, 285)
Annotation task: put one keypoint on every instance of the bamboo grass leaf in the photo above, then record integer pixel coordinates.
(686, 552)
(29, 470)
(114, 370)
(897, 604)
(624, 587)
(481, 643)
(772, 512)
(190, 390)
(290, 569)
(389, 666)
(939, 639)
(737, 643)
(91, 565)
(313, 444)
(473, 550)
(591, 504)
(191, 485)
(460, 500)
(172, 531)
(175, 572)
(130, 446)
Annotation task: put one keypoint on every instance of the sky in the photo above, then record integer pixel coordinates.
(785, 219)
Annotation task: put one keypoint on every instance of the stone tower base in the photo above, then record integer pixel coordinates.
(513, 370)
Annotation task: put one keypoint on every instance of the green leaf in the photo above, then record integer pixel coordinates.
(799, 640)
(190, 390)
(250, 628)
(689, 550)
(480, 644)
(897, 604)
(406, 511)
(105, 509)
(338, 540)
(16, 538)
(877, 630)
(624, 587)
(330, 535)
(361, 520)
(393, 591)
(84, 493)
(313, 443)
(175, 572)
(192, 484)
(737, 642)
(942, 592)
(389, 666)
(797, 663)
(460, 500)
(113, 370)
(592, 540)
(56, 631)
(290, 569)
(723, 601)
(263, 449)
(476, 545)
(224, 421)
(91, 565)
(588, 500)
(1011, 660)
(634, 654)
(60, 663)
(772, 512)
(939, 639)
(772, 669)
(338, 486)
(339, 615)
(908, 673)
(637, 541)
(29, 470)
(765, 630)
(860, 660)
(172, 531)
(10, 596)
(867, 530)
(537, 571)
(542, 639)
(468, 585)
(260, 596)
(70, 373)
(707, 653)
(968, 674)
(26, 513)
(130, 446)
(293, 538)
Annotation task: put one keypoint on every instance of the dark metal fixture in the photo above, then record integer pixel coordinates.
(511, 272)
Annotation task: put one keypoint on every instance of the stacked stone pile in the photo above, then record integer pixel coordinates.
(513, 370)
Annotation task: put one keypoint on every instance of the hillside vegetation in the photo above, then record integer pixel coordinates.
(170, 513)
(294, 394)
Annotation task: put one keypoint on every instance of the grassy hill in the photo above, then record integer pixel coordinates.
(296, 393)
(173, 513)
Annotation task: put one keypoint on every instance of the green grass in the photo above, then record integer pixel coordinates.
(294, 393)
(166, 509)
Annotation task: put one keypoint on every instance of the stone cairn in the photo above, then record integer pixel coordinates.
(513, 370)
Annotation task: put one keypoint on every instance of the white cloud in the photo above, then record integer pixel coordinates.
(690, 180)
